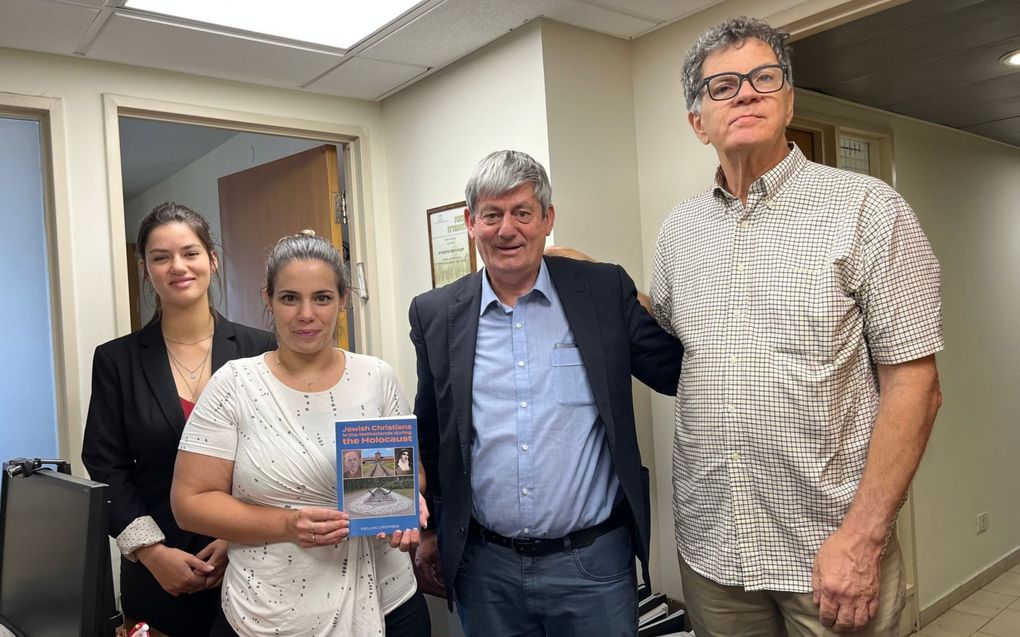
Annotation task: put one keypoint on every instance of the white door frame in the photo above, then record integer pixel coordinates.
(357, 177)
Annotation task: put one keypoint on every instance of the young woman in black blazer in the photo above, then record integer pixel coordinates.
(143, 388)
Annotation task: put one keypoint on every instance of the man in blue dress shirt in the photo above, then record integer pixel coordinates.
(526, 422)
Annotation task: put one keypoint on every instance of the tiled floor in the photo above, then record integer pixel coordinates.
(993, 611)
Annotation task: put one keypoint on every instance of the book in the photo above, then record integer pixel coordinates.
(653, 613)
(650, 601)
(377, 473)
(671, 624)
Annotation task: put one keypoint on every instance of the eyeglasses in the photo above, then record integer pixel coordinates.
(764, 79)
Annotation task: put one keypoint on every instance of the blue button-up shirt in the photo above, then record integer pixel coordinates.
(540, 462)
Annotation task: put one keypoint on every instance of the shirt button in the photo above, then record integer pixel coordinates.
(744, 224)
(733, 359)
(520, 363)
(525, 530)
(518, 325)
(524, 491)
(740, 267)
(524, 403)
(731, 409)
(524, 447)
(734, 456)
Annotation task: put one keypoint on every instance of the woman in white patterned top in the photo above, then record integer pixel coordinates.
(257, 466)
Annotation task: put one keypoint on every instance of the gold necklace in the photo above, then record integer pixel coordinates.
(191, 390)
(308, 383)
(204, 338)
(193, 373)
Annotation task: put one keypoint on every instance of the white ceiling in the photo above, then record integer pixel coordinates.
(432, 35)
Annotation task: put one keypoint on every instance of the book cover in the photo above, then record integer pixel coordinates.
(673, 624)
(377, 476)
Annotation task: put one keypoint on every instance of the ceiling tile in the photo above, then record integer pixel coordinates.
(40, 25)
(657, 11)
(364, 78)
(599, 19)
(98, 4)
(887, 87)
(1007, 130)
(451, 30)
(968, 104)
(818, 64)
(131, 39)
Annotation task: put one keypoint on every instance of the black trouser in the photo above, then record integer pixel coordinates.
(410, 619)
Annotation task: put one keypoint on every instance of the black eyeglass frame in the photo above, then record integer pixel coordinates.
(740, 81)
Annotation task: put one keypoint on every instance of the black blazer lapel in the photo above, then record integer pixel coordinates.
(224, 345)
(156, 367)
(583, 318)
(462, 334)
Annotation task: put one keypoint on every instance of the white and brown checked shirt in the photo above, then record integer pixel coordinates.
(784, 307)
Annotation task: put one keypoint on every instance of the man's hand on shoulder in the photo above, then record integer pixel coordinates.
(845, 579)
(570, 253)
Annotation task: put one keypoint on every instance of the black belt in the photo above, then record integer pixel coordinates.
(538, 547)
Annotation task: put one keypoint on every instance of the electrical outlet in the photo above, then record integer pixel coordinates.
(982, 522)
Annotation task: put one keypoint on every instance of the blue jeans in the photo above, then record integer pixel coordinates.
(587, 592)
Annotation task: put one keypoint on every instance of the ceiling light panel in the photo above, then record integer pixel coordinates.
(334, 23)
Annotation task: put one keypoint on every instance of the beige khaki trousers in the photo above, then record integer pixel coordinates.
(716, 610)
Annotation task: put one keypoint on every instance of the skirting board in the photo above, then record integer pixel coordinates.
(968, 588)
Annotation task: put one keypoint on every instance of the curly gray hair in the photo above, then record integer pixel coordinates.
(729, 33)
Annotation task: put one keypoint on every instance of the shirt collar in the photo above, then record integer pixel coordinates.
(543, 286)
(772, 181)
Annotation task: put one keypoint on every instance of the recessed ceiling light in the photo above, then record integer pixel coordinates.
(327, 22)
(1011, 59)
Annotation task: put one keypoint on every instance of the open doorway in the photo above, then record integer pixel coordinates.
(252, 187)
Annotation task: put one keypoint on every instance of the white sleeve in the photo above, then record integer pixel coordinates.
(212, 428)
(143, 531)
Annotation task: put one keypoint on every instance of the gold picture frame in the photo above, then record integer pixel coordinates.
(451, 248)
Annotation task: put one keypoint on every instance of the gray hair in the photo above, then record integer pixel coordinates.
(730, 33)
(503, 171)
(300, 247)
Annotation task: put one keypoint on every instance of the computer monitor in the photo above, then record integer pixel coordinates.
(55, 577)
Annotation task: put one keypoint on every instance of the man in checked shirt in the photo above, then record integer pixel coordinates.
(807, 300)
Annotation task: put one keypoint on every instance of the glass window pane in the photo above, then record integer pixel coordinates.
(27, 389)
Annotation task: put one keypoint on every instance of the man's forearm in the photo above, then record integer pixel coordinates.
(910, 398)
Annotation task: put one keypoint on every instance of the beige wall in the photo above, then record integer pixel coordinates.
(438, 130)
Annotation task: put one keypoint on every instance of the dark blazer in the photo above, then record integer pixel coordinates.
(617, 338)
(134, 424)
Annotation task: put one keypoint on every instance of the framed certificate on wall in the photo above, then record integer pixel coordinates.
(451, 250)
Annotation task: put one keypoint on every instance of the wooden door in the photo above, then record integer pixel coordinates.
(261, 204)
(805, 140)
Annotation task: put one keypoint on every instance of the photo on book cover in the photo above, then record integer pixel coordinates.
(377, 473)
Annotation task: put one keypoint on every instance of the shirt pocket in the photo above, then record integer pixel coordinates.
(812, 317)
(570, 379)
